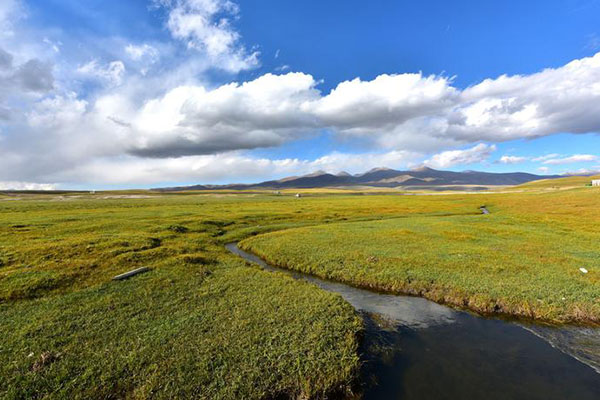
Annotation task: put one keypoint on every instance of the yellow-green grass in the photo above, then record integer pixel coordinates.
(201, 323)
(559, 183)
(204, 324)
(523, 259)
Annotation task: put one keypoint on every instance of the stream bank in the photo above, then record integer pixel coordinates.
(414, 348)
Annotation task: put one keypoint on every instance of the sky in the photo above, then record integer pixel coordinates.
(107, 94)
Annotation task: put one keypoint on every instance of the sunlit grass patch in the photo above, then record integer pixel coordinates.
(204, 324)
(524, 259)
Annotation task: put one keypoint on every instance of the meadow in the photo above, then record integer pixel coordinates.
(204, 324)
(524, 259)
(201, 324)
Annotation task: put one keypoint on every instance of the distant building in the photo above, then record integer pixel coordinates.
(596, 182)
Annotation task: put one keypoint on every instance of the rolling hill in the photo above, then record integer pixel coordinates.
(424, 178)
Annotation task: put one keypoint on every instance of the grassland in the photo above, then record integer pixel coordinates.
(523, 259)
(561, 183)
(204, 324)
(201, 324)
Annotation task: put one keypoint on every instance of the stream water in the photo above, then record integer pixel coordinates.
(417, 349)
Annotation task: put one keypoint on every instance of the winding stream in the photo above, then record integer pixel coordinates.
(417, 349)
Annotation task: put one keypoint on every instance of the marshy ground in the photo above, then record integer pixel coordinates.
(203, 323)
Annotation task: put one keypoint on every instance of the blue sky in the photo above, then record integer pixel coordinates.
(143, 93)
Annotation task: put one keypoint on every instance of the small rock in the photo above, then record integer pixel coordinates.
(585, 271)
(46, 358)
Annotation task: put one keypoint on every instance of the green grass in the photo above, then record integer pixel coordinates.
(204, 324)
(181, 332)
(521, 260)
(559, 183)
(201, 324)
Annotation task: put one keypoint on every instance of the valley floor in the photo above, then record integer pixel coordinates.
(534, 256)
(204, 324)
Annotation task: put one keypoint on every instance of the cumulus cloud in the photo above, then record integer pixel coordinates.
(21, 85)
(10, 10)
(35, 76)
(193, 120)
(6, 60)
(26, 186)
(475, 154)
(110, 74)
(544, 170)
(142, 56)
(404, 111)
(206, 25)
(545, 157)
(175, 118)
(231, 167)
(360, 107)
(554, 100)
(583, 171)
(139, 52)
(512, 159)
(572, 159)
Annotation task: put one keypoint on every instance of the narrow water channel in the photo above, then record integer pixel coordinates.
(417, 349)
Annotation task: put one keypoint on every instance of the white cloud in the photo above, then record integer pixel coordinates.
(205, 25)
(583, 171)
(545, 157)
(193, 120)
(35, 76)
(111, 73)
(544, 170)
(386, 102)
(6, 60)
(572, 159)
(475, 154)
(230, 167)
(273, 109)
(58, 112)
(404, 111)
(51, 122)
(55, 46)
(512, 159)
(26, 186)
(138, 52)
(10, 11)
(22, 83)
(144, 56)
(554, 100)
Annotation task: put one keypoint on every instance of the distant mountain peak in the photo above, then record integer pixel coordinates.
(313, 174)
(422, 168)
(422, 177)
(378, 169)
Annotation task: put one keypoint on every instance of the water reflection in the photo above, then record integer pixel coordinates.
(581, 343)
(413, 312)
(417, 349)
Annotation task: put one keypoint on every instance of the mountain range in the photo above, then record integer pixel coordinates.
(423, 178)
